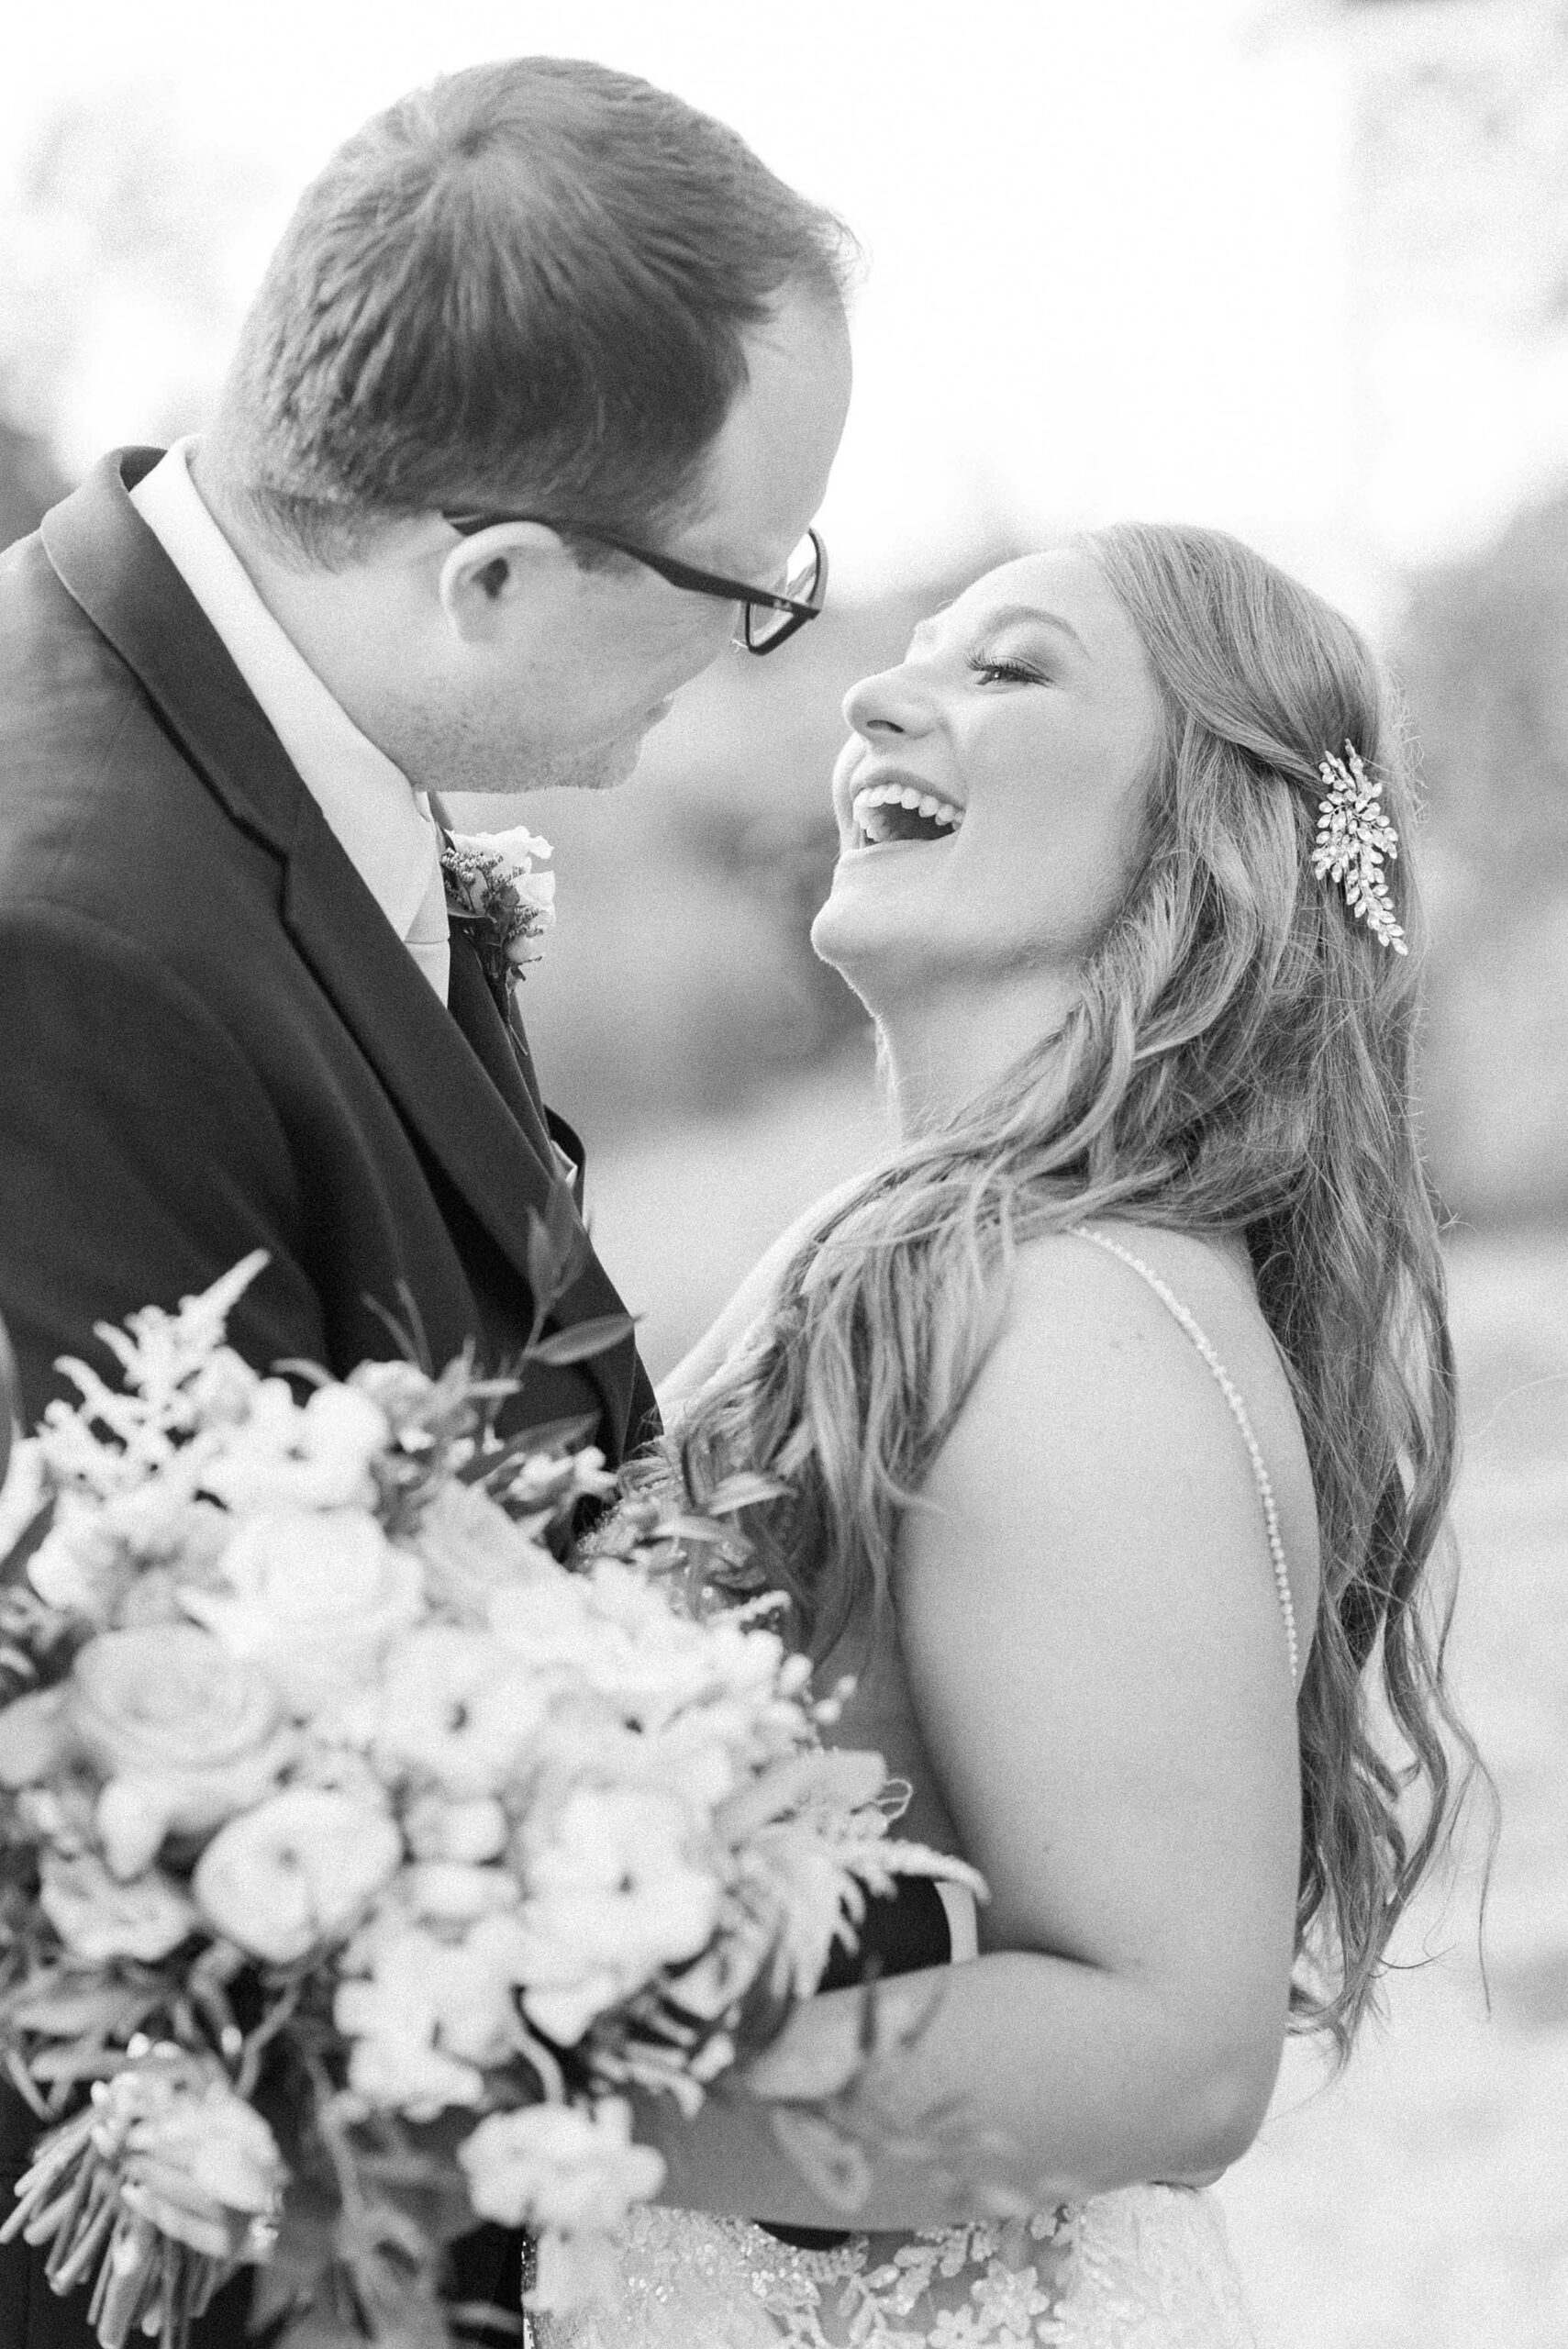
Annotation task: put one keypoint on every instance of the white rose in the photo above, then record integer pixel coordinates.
(611, 1898)
(314, 1597)
(455, 1706)
(516, 846)
(285, 1456)
(99, 1918)
(184, 1735)
(295, 1872)
(558, 2165)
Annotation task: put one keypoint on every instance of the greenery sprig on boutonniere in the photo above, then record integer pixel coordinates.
(494, 893)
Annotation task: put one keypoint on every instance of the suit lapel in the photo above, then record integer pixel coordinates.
(486, 1133)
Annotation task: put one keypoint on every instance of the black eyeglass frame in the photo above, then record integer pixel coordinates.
(681, 574)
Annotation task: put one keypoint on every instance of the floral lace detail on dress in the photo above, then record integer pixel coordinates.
(1147, 2268)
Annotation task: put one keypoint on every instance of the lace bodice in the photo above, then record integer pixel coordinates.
(1146, 2268)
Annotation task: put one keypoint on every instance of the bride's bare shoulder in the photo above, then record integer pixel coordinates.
(1096, 1376)
(1096, 1292)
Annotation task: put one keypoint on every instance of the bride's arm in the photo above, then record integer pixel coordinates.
(1094, 1648)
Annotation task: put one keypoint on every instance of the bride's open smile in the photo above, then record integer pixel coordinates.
(894, 809)
(990, 804)
(1009, 746)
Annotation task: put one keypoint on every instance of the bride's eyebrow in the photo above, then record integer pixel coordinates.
(1006, 613)
(1003, 617)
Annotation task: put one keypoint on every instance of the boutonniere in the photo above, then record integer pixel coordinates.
(505, 906)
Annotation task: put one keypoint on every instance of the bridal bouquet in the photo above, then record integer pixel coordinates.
(357, 1855)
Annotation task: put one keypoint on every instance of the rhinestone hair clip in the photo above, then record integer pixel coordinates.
(1355, 836)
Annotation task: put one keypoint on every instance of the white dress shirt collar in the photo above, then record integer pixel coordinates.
(379, 822)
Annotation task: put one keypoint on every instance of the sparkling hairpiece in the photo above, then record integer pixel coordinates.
(1356, 834)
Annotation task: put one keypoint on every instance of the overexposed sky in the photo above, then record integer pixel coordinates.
(1109, 244)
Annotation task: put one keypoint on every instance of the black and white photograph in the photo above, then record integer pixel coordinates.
(784, 1174)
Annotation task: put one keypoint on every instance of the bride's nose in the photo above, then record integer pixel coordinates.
(887, 704)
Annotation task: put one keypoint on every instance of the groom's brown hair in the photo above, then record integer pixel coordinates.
(525, 285)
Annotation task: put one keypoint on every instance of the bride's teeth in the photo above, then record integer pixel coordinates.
(875, 797)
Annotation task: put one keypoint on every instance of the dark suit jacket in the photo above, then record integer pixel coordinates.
(211, 1040)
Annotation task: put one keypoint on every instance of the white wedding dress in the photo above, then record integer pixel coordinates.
(1147, 2267)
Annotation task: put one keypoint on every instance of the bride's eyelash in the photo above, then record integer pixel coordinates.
(1018, 672)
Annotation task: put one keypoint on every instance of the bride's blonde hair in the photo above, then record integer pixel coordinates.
(1240, 1061)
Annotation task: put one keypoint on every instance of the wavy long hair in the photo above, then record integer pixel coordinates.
(1239, 1059)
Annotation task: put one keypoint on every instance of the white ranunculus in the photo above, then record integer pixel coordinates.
(288, 1457)
(611, 1896)
(295, 1872)
(556, 2166)
(314, 1597)
(100, 1919)
(456, 1706)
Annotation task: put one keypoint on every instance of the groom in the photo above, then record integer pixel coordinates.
(533, 409)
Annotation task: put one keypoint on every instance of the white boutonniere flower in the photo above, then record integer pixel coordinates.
(494, 892)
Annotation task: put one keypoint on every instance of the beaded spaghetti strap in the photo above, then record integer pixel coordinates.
(1227, 1387)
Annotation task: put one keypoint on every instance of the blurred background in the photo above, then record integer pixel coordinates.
(1295, 267)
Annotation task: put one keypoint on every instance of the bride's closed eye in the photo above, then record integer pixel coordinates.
(1017, 672)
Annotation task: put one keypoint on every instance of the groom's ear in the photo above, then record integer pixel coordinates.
(485, 575)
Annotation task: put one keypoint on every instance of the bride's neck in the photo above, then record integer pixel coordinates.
(950, 1043)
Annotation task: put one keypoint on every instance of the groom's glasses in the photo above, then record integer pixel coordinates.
(767, 615)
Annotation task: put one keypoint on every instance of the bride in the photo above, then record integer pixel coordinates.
(1114, 1417)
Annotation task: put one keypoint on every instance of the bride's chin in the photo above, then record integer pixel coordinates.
(875, 957)
(843, 933)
